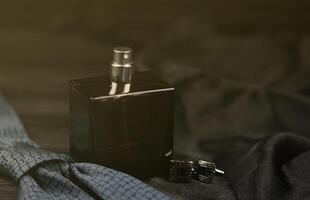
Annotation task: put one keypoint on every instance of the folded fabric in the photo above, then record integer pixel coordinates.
(42, 174)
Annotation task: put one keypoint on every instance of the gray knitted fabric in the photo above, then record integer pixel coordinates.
(41, 174)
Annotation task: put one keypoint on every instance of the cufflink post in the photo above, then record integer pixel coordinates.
(219, 172)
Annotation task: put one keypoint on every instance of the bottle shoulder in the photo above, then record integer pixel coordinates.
(101, 87)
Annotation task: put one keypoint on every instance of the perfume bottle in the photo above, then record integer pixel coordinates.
(123, 120)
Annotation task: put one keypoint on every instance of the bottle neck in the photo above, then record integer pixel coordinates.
(120, 74)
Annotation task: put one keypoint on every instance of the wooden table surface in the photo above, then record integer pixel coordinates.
(34, 72)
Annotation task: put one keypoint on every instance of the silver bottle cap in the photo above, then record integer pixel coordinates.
(122, 65)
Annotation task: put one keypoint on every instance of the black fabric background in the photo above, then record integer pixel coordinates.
(243, 102)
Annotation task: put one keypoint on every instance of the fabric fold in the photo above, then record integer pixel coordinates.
(42, 174)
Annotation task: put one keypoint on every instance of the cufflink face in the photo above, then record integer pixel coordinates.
(181, 171)
(204, 171)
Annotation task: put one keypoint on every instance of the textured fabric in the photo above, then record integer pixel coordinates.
(46, 175)
(243, 102)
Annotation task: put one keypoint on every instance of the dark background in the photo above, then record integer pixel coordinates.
(44, 44)
(94, 15)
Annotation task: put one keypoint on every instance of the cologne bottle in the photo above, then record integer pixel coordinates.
(123, 120)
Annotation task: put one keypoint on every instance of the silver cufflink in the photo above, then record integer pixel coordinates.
(183, 171)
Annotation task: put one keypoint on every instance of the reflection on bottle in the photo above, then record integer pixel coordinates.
(119, 88)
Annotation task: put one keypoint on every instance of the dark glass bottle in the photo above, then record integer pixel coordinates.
(123, 120)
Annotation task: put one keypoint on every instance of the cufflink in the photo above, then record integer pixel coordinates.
(183, 171)
(204, 171)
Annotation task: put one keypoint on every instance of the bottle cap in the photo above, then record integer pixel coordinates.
(122, 57)
(122, 65)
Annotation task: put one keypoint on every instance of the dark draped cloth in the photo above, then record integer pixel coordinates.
(242, 101)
